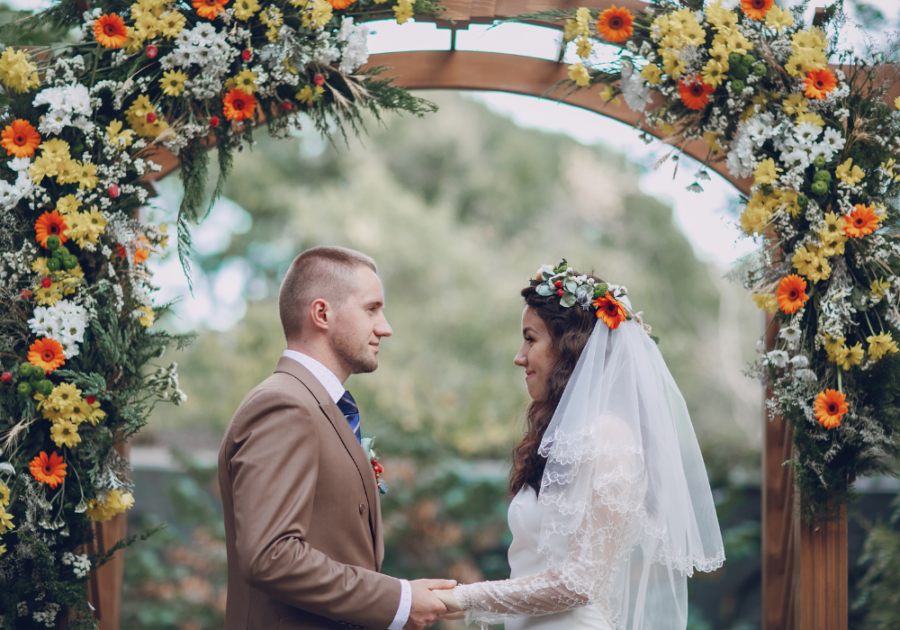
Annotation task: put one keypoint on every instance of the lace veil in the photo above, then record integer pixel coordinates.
(627, 509)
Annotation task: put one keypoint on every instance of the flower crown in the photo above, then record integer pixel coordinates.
(583, 291)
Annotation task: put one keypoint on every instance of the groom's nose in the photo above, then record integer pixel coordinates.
(382, 328)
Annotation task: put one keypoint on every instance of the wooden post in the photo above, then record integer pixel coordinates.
(804, 567)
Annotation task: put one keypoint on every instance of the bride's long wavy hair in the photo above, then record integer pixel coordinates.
(570, 329)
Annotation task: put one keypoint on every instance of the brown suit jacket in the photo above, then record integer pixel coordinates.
(302, 515)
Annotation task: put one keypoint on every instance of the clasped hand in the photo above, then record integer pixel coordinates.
(432, 600)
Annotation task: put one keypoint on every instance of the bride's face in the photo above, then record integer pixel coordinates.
(537, 354)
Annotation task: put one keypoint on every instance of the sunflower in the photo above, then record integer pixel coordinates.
(340, 4)
(756, 9)
(239, 105)
(819, 83)
(209, 9)
(46, 354)
(861, 221)
(615, 25)
(50, 224)
(610, 311)
(110, 31)
(791, 293)
(49, 470)
(694, 92)
(830, 407)
(65, 433)
(20, 139)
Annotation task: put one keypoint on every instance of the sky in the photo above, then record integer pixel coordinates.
(708, 219)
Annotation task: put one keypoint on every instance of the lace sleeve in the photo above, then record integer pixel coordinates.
(598, 539)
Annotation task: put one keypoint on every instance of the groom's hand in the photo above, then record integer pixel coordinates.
(426, 608)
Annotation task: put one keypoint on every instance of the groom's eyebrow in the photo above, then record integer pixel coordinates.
(374, 304)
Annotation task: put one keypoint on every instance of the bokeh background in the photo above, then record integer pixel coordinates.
(459, 209)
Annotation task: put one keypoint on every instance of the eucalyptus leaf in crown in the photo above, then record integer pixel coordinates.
(821, 145)
(81, 124)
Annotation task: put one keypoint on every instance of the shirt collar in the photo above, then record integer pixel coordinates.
(326, 377)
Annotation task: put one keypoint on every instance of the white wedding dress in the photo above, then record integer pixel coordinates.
(525, 517)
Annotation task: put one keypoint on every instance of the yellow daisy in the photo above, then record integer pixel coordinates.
(172, 82)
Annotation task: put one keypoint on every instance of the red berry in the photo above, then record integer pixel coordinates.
(151, 51)
(25, 294)
(246, 54)
(90, 399)
(6, 377)
(214, 121)
(319, 80)
(46, 282)
(558, 283)
(285, 106)
(151, 118)
(113, 191)
(120, 250)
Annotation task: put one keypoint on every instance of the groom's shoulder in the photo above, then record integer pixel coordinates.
(279, 390)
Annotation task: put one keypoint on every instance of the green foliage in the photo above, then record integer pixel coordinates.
(879, 589)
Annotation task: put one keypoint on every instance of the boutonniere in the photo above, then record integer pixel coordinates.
(378, 469)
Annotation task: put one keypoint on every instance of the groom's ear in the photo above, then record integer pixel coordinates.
(321, 314)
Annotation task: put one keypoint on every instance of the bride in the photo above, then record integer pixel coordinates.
(612, 509)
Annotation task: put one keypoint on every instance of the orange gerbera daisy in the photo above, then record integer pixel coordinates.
(861, 221)
(46, 354)
(209, 9)
(819, 83)
(830, 407)
(694, 92)
(20, 139)
(756, 9)
(239, 105)
(110, 31)
(610, 311)
(49, 470)
(141, 249)
(50, 224)
(615, 24)
(791, 293)
(340, 4)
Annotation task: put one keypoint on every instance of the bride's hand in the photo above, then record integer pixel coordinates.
(449, 600)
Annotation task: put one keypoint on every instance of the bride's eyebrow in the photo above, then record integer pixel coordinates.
(528, 329)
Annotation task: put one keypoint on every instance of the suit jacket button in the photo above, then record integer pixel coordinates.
(362, 508)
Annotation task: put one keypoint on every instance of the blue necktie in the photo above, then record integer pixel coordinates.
(348, 407)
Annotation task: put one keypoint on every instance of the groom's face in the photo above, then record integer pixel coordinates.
(360, 324)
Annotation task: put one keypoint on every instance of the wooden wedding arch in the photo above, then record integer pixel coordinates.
(804, 568)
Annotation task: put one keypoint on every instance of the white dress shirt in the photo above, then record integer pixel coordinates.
(335, 389)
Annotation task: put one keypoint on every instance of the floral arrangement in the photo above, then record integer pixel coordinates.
(81, 123)
(586, 292)
(822, 146)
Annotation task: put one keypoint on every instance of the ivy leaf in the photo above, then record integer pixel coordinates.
(571, 286)
(544, 290)
(567, 300)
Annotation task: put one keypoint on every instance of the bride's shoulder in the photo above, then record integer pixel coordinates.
(615, 432)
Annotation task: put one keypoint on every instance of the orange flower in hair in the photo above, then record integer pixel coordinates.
(694, 92)
(756, 9)
(50, 224)
(861, 222)
(209, 9)
(46, 354)
(830, 406)
(615, 25)
(819, 83)
(20, 139)
(49, 470)
(791, 293)
(340, 4)
(110, 31)
(610, 311)
(239, 105)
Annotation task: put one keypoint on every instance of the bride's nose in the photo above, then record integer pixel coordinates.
(521, 358)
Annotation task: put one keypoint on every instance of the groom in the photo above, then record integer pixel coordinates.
(302, 515)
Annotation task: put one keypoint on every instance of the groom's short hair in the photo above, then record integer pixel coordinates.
(318, 273)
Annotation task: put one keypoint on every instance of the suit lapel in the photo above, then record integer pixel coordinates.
(346, 435)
